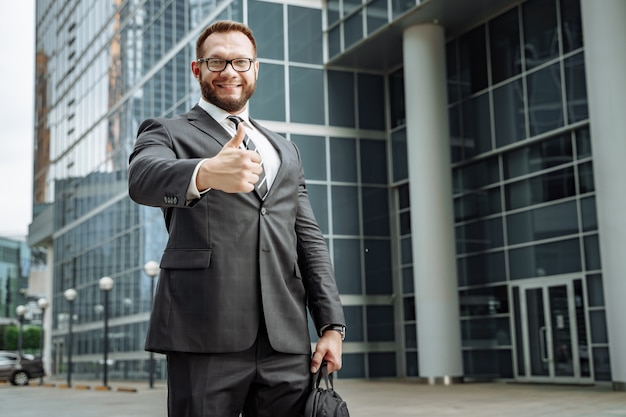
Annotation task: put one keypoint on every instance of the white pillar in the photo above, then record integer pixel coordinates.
(432, 220)
(604, 31)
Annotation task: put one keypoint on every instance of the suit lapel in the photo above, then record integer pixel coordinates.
(208, 125)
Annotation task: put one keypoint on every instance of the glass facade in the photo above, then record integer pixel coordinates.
(521, 161)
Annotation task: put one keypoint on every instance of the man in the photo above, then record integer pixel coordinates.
(245, 255)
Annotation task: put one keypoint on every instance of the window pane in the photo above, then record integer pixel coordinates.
(377, 267)
(332, 12)
(473, 73)
(571, 24)
(382, 364)
(595, 290)
(599, 333)
(481, 269)
(548, 187)
(347, 265)
(343, 159)
(478, 236)
(588, 213)
(592, 253)
(476, 126)
(345, 210)
(375, 211)
(479, 204)
(341, 98)
(334, 41)
(545, 102)
(543, 223)
(536, 157)
(354, 321)
(585, 178)
(583, 143)
(380, 324)
(487, 332)
(305, 37)
(264, 18)
(484, 301)
(399, 153)
(576, 88)
(376, 15)
(396, 92)
(371, 101)
(547, 259)
(541, 40)
(476, 175)
(313, 153)
(509, 118)
(353, 29)
(319, 203)
(268, 102)
(306, 95)
(505, 46)
(373, 161)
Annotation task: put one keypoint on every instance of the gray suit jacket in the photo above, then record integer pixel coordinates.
(231, 260)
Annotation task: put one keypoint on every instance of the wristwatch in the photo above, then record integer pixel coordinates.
(338, 328)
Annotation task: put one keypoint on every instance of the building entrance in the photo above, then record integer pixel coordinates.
(552, 343)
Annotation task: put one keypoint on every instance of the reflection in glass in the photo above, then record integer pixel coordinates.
(509, 119)
(538, 156)
(546, 259)
(542, 223)
(540, 189)
(576, 88)
(545, 102)
(541, 39)
(504, 39)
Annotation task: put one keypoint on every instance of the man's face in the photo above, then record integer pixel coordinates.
(229, 89)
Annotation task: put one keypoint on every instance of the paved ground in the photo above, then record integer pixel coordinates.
(364, 398)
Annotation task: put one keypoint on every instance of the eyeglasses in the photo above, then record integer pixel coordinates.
(219, 65)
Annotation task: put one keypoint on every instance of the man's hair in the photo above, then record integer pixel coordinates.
(224, 26)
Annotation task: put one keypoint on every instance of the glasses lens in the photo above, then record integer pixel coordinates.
(216, 64)
(241, 64)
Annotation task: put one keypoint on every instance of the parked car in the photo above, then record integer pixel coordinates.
(18, 368)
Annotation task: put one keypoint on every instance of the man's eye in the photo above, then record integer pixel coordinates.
(240, 62)
(216, 62)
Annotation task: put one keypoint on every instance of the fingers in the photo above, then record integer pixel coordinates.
(237, 140)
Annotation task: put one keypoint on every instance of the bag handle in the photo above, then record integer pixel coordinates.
(322, 373)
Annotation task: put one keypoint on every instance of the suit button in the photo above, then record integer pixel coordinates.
(263, 211)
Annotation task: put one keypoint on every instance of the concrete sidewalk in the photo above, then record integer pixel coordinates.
(365, 399)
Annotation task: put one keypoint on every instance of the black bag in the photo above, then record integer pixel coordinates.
(324, 402)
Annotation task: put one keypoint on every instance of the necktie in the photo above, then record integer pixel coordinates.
(261, 186)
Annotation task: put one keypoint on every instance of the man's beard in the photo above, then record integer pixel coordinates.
(230, 104)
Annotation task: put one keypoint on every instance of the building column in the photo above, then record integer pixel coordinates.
(605, 61)
(432, 220)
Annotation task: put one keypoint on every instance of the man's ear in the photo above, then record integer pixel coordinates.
(195, 69)
(256, 70)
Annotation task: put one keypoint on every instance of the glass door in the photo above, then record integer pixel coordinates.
(551, 332)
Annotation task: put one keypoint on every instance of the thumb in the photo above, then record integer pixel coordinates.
(237, 140)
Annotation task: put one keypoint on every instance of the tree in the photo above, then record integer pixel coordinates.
(30, 338)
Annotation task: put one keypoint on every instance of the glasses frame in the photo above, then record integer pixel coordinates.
(226, 62)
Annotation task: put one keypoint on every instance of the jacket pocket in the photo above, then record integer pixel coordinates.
(186, 259)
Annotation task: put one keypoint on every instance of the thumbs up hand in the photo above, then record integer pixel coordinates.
(233, 169)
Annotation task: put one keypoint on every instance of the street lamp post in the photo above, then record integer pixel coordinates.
(152, 269)
(42, 303)
(106, 284)
(70, 295)
(20, 310)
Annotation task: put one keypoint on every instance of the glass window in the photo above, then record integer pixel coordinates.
(378, 267)
(588, 213)
(542, 223)
(371, 90)
(478, 236)
(263, 19)
(601, 363)
(313, 153)
(484, 301)
(396, 92)
(319, 203)
(350, 5)
(341, 108)
(488, 363)
(382, 364)
(481, 269)
(473, 61)
(585, 178)
(399, 154)
(353, 365)
(407, 280)
(269, 100)
(373, 161)
(400, 6)
(354, 322)
(375, 211)
(571, 25)
(576, 88)
(478, 204)
(332, 12)
(456, 136)
(476, 175)
(376, 15)
(599, 333)
(345, 210)
(452, 70)
(406, 250)
(486, 332)
(334, 41)
(545, 101)
(408, 304)
(595, 290)
(505, 48)
(353, 29)
(583, 143)
(509, 119)
(305, 36)
(592, 253)
(547, 259)
(380, 323)
(476, 126)
(541, 39)
(343, 159)
(347, 265)
(306, 95)
(540, 189)
(538, 156)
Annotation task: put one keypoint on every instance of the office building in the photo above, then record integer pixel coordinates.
(463, 159)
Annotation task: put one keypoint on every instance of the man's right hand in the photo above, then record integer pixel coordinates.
(233, 169)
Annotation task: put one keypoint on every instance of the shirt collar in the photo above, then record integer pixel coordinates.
(220, 114)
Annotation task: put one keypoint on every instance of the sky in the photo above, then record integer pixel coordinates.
(17, 72)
